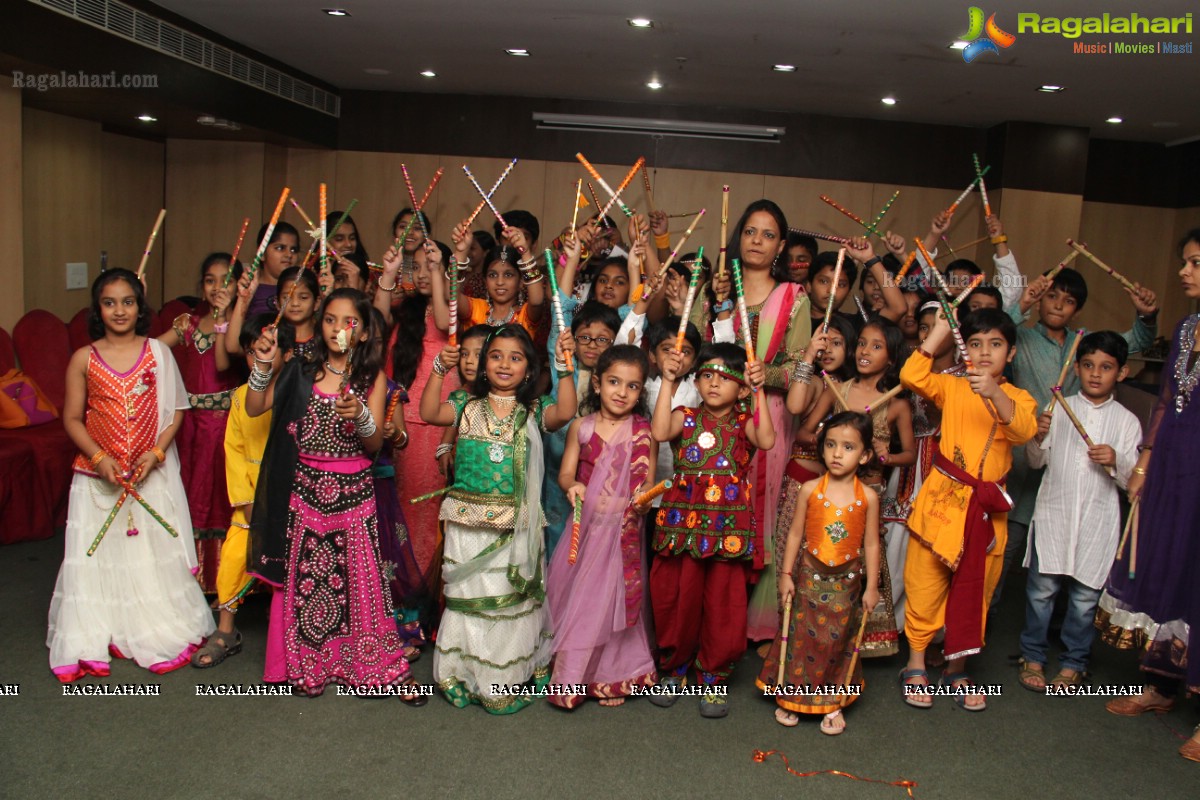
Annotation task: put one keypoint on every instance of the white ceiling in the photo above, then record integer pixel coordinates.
(848, 55)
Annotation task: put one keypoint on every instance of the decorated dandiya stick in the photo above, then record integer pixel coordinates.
(307, 219)
(830, 201)
(724, 223)
(622, 186)
(784, 624)
(575, 210)
(324, 211)
(883, 212)
(883, 398)
(1083, 251)
(743, 313)
(1112, 473)
(556, 301)
(576, 519)
(943, 296)
(1066, 367)
(596, 202)
(1074, 254)
(862, 312)
(693, 287)
(972, 286)
(430, 496)
(485, 197)
(437, 178)
(262, 246)
(825, 237)
(906, 266)
(950, 250)
(646, 497)
(603, 183)
(149, 508)
(495, 186)
(234, 255)
(150, 243)
(649, 193)
(987, 207)
(837, 396)
(112, 515)
(452, 331)
(391, 407)
(412, 196)
(958, 200)
(680, 243)
(837, 277)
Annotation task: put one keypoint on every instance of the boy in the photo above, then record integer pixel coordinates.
(661, 339)
(819, 286)
(245, 441)
(1073, 535)
(958, 520)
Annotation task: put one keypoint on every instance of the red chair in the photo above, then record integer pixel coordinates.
(77, 329)
(8, 356)
(44, 349)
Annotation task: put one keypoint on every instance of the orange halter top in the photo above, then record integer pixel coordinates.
(834, 536)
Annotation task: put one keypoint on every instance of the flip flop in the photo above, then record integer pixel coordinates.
(827, 726)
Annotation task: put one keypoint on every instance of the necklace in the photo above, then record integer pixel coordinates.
(496, 429)
(504, 401)
(512, 312)
(1186, 379)
(334, 370)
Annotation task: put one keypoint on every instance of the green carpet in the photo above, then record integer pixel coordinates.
(181, 745)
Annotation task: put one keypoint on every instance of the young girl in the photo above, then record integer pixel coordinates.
(300, 312)
(509, 277)
(470, 350)
(482, 243)
(493, 632)
(596, 603)
(413, 243)
(281, 253)
(705, 540)
(314, 527)
(130, 594)
(210, 383)
(839, 534)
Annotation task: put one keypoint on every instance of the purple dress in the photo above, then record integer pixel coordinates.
(1160, 605)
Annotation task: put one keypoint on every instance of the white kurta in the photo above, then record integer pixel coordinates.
(1077, 520)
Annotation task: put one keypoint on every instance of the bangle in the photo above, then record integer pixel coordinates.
(445, 448)
(1139, 470)
(872, 261)
(100, 456)
(803, 372)
(389, 289)
(562, 369)
(222, 327)
(158, 453)
(259, 380)
(1001, 239)
(466, 262)
(400, 439)
(723, 306)
(439, 367)
(662, 241)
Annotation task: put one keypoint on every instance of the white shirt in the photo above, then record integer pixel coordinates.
(1076, 522)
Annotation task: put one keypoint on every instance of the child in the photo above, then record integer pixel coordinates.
(705, 532)
(1075, 527)
(958, 520)
(314, 527)
(801, 252)
(134, 596)
(839, 534)
(210, 382)
(299, 314)
(509, 277)
(245, 439)
(470, 351)
(661, 339)
(820, 286)
(596, 603)
(493, 632)
(281, 253)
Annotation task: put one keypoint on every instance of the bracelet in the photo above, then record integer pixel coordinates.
(803, 372)
(562, 369)
(367, 429)
(872, 261)
(531, 281)
(400, 439)
(259, 380)
(1001, 239)
(723, 306)
(100, 456)
(389, 289)
(662, 241)
(158, 453)
(466, 262)
(1139, 470)
(443, 449)
(222, 327)
(439, 367)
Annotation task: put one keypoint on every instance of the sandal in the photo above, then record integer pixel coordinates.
(1191, 748)
(415, 700)
(217, 648)
(829, 725)
(915, 694)
(1130, 707)
(1028, 675)
(1062, 680)
(786, 718)
(960, 697)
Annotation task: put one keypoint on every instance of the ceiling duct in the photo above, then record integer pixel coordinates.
(659, 127)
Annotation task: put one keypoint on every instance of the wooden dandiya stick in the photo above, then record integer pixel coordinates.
(971, 243)
(830, 201)
(412, 196)
(1112, 473)
(943, 296)
(724, 223)
(693, 287)
(649, 193)
(1074, 254)
(948, 246)
(1066, 367)
(576, 519)
(1131, 524)
(972, 286)
(622, 186)
(862, 312)
(141, 270)
(958, 200)
(906, 266)
(430, 496)
(784, 625)
(391, 407)
(837, 396)
(837, 277)
(987, 207)
(1083, 251)
(234, 255)
(485, 197)
(575, 211)
(596, 202)
(324, 212)
(495, 186)
(885, 397)
(149, 508)
(743, 313)
(825, 237)
(556, 301)
(684, 214)
(112, 515)
(307, 220)
(646, 497)
(262, 246)
(603, 183)
(862, 629)
(883, 212)
(680, 243)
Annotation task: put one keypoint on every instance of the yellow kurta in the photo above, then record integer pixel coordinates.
(245, 441)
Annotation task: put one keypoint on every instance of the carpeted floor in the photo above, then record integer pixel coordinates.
(181, 745)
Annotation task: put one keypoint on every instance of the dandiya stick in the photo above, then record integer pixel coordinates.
(324, 212)
(262, 246)
(862, 629)
(412, 196)
(495, 186)
(576, 519)
(1074, 254)
(596, 202)
(452, 331)
(837, 277)
(150, 243)
(904, 268)
(236, 249)
(972, 286)
(485, 197)
(825, 237)
(429, 496)
(684, 214)
(837, 396)
(622, 186)
(391, 407)
(943, 295)
(556, 301)
(149, 508)
(419, 207)
(108, 521)
(575, 211)
(646, 497)
(1083, 251)
(1062, 376)
(784, 625)
(307, 220)
(1130, 523)
(693, 287)
(603, 183)
(971, 243)
(724, 223)
(649, 193)
(987, 207)
(862, 312)
(883, 212)
(743, 313)
(958, 200)
(885, 397)
(680, 243)
(1112, 473)
(830, 201)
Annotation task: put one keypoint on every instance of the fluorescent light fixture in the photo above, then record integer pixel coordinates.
(784, 68)
(517, 51)
(336, 12)
(641, 22)
(658, 127)
(888, 101)
(147, 118)
(428, 73)
(1114, 120)
(1050, 87)
(958, 45)
(654, 83)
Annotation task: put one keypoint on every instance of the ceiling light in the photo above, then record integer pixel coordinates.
(336, 12)
(654, 83)
(1049, 87)
(641, 22)
(517, 51)
(147, 118)
(428, 73)
(888, 101)
(784, 68)
(1114, 120)
(958, 45)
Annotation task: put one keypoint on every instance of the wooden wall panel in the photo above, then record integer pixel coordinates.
(132, 174)
(378, 183)
(306, 169)
(527, 188)
(12, 221)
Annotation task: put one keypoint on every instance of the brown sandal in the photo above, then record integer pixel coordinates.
(1028, 673)
(1130, 707)
(1191, 748)
(217, 648)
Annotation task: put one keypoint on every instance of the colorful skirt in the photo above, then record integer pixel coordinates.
(409, 592)
(338, 623)
(826, 612)
(881, 637)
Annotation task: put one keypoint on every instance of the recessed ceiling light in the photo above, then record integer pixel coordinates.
(147, 118)
(654, 83)
(958, 45)
(784, 68)
(377, 71)
(517, 51)
(336, 12)
(641, 22)
(1114, 120)
(888, 101)
(428, 73)
(1049, 87)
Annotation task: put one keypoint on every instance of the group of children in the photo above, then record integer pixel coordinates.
(833, 479)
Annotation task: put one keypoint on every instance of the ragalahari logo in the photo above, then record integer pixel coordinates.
(984, 38)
